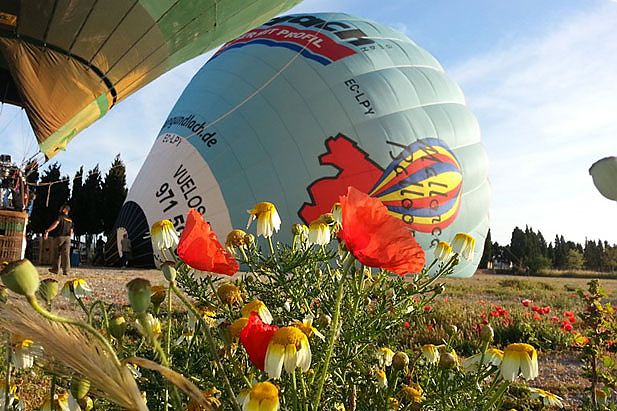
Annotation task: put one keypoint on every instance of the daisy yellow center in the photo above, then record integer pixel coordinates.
(24, 343)
(229, 293)
(305, 328)
(264, 391)
(235, 238)
(263, 208)
(160, 226)
(255, 305)
(289, 336)
(412, 393)
(236, 327)
(520, 348)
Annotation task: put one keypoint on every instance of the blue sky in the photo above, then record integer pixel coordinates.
(540, 76)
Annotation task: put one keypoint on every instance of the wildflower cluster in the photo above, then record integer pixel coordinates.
(314, 325)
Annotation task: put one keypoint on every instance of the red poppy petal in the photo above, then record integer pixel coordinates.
(255, 337)
(376, 238)
(200, 248)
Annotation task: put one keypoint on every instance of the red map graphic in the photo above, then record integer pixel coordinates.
(355, 169)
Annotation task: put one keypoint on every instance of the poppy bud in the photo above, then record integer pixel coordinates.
(48, 290)
(447, 360)
(117, 327)
(486, 333)
(86, 404)
(21, 277)
(169, 271)
(4, 294)
(79, 387)
(139, 294)
(400, 361)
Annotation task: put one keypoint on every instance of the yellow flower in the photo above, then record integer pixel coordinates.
(268, 220)
(11, 394)
(263, 396)
(463, 244)
(235, 238)
(518, 359)
(430, 353)
(492, 356)
(153, 322)
(319, 232)
(380, 376)
(164, 235)
(260, 308)
(289, 347)
(229, 294)
(443, 251)
(548, 398)
(393, 403)
(23, 352)
(209, 396)
(78, 288)
(61, 403)
(412, 393)
(337, 214)
(306, 326)
(385, 356)
(236, 328)
(187, 335)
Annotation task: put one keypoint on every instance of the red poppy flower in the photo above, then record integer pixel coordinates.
(566, 326)
(255, 337)
(406, 324)
(200, 248)
(376, 238)
(536, 317)
(536, 309)
(526, 302)
(546, 310)
(428, 308)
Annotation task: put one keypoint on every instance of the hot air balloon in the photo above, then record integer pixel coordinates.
(604, 174)
(67, 63)
(300, 108)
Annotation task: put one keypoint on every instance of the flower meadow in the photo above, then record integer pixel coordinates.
(351, 316)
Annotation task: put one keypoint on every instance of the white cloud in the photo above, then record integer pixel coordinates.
(547, 110)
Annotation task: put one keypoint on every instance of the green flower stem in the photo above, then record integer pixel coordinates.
(82, 305)
(143, 320)
(168, 340)
(304, 396)
(211, 343)
(480, 366)
(332, 338)
(7, 377)
(496, 396)
(101, 304)
(294, 390)
(87, 327)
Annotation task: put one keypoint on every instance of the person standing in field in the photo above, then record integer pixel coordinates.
(127, 249)
(62, 230)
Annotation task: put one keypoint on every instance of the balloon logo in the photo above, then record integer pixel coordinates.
(421, 186)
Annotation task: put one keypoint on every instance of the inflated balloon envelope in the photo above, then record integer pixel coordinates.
(297, 110)
(604, 174)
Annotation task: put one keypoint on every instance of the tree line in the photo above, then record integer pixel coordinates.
(95, 199)
(529, 251)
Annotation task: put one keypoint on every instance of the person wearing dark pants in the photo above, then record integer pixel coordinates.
(62, 230)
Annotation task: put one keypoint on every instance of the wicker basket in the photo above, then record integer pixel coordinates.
(11, 247)
(12, 223)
